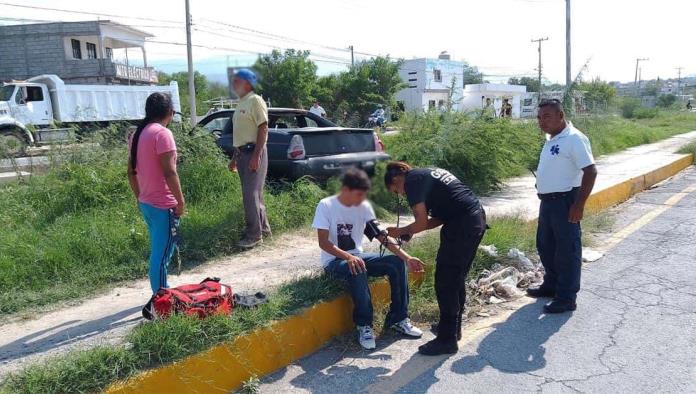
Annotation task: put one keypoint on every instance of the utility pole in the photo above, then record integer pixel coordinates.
(189, 53)
(679, 81)
(638, 60)
(539, 41)
(352, 57)
(568, 80)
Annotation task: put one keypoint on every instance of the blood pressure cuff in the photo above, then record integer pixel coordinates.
(373, 229)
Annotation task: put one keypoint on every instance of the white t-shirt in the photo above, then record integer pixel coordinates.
(318, 110)
(562, 160)
(346, 225)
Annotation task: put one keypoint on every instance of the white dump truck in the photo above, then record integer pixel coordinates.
(31, 109)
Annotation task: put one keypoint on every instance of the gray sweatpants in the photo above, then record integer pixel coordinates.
(252, 194)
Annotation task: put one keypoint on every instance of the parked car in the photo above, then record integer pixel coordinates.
(301, 143)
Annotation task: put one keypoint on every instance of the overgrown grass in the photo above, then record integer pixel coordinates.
(152, 344)
(77, 228)
(484, 152)
(609, 134)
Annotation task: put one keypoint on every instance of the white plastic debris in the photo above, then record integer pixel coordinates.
(490, 250)
(501, 284)
(591, 255)
(522, 262)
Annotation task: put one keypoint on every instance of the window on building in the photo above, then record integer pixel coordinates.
(437, 75)
(440, 104)
(431, 104)
(109, 53)
(76, 49)
(91, 51)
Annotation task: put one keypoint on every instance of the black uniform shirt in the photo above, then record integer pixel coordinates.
(445, 196)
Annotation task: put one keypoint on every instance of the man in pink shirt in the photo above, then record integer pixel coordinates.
(155, 182)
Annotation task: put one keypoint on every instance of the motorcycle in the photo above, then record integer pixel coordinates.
(375, 121)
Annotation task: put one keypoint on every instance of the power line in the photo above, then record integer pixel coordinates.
(331, 57)
(90, 13)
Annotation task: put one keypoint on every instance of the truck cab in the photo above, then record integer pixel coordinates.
(27, 103)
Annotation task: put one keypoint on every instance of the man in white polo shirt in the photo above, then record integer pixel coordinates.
(565, 178)
(317, 109)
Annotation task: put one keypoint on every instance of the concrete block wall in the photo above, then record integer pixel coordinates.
(33, 49)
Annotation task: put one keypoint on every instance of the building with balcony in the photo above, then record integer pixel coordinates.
(91, 52)
(431, 83)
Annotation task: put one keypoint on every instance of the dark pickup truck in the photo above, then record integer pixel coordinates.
(301, 143)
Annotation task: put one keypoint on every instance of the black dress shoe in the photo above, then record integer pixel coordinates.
(560, 306)
(540, 292)
(437, 347)
(434, 329)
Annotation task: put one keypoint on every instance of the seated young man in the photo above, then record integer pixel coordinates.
(340, 221)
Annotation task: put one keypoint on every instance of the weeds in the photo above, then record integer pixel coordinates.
(77, 228)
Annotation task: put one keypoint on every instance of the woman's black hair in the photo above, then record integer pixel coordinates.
(394, 169)
(157, 106)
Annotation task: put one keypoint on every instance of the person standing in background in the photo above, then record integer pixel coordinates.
(153, 177)
(249, 136)
(317, 109)
(565, 178)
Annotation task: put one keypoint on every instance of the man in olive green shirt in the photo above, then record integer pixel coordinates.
(249, 136)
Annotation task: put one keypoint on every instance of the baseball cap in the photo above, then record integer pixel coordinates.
(246, 75)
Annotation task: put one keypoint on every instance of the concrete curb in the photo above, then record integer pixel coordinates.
(227, 366)
(621, 192)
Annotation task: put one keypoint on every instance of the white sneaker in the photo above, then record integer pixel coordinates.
(366, 337)
(405, 327)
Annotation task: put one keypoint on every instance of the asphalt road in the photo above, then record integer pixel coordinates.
(634, 330)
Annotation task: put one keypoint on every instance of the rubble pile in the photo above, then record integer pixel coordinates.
(507, 279)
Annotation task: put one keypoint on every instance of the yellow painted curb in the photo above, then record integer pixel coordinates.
(621, 192)
(225, 367)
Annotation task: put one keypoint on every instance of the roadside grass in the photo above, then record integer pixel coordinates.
(689, 149)
(609, 134)
(484, 152)
(77, 228)
(153, 344)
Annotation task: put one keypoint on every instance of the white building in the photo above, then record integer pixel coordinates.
(438, 84)
(432, 83)
(493, 95)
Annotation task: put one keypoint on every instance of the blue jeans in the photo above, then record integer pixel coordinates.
(390, 266)
(560, 247)
(163, 227)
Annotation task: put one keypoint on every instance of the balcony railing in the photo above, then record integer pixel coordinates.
(144, 74)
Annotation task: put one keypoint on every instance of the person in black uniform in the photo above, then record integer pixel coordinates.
(438, 198)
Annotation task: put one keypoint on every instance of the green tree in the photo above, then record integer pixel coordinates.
(666, 100)
(532, 84)
(205, 90)
(472, 75)
(367, 84)
(325, 91)
(598, 94)
(288, 78)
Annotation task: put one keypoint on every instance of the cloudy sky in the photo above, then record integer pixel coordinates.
(494, 35)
